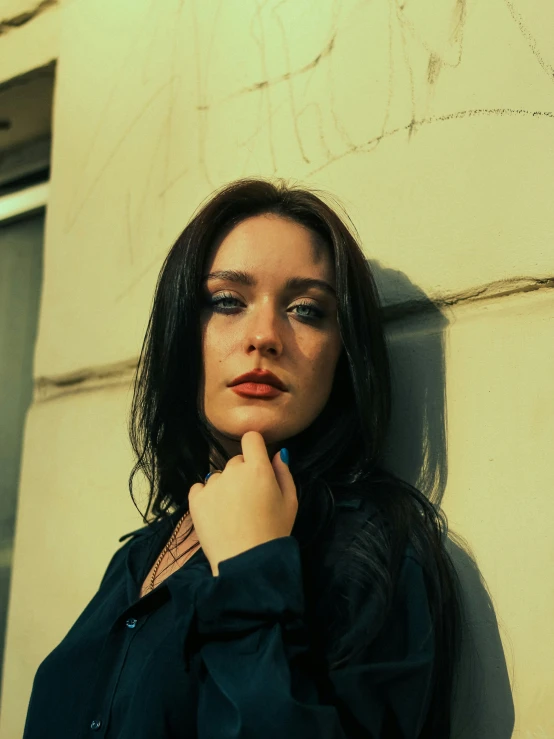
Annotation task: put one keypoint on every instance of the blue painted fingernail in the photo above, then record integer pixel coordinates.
(285, 455)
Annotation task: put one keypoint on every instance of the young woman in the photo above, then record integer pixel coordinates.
(306, 595)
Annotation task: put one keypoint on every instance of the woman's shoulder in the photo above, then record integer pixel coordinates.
(362, 519)
(355, 575)
(362, 504)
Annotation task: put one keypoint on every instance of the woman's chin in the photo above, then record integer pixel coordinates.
(271, 434)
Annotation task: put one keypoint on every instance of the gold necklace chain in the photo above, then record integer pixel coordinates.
(164, 550)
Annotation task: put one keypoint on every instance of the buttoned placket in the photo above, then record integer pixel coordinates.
(125, 628)
(118, 642)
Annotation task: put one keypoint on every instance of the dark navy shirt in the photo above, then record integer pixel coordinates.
(229, 657)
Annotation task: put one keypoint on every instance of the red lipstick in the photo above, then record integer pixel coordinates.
(255, 390)
(258, 383)
(259, 375)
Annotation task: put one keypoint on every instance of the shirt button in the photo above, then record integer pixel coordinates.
(131, 623)
(95, 724)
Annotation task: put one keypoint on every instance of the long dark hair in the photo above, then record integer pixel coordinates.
(340, 452)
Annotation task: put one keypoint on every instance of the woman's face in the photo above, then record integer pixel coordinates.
(264, 325)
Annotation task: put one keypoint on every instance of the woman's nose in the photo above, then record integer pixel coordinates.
(264, 328)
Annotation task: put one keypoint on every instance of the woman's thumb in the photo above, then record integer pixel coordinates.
(283, 473)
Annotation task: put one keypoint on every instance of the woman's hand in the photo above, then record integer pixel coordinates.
(253, 500)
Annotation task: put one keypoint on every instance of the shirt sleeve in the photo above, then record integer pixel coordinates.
(257, 678)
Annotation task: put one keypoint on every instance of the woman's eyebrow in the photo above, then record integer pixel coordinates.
(293, 283)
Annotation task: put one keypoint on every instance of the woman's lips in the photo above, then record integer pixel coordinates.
(256, 390)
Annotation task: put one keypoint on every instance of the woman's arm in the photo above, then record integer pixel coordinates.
(256, 676)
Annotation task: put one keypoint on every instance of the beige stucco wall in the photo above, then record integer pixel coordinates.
(434, 126)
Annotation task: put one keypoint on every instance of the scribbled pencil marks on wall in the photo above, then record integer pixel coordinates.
(373, 75)
(531, 40)
(280, 87)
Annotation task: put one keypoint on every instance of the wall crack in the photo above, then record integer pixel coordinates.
(490, 291)
(8, 24)
(85, 380)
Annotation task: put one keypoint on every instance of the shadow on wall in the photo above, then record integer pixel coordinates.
(417, 452)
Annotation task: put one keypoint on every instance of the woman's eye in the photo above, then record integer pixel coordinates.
(222, 299)
(316, 313)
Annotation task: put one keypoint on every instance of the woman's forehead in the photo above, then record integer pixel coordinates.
(267, 241)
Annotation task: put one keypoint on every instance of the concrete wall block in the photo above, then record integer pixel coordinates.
(73, 506)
